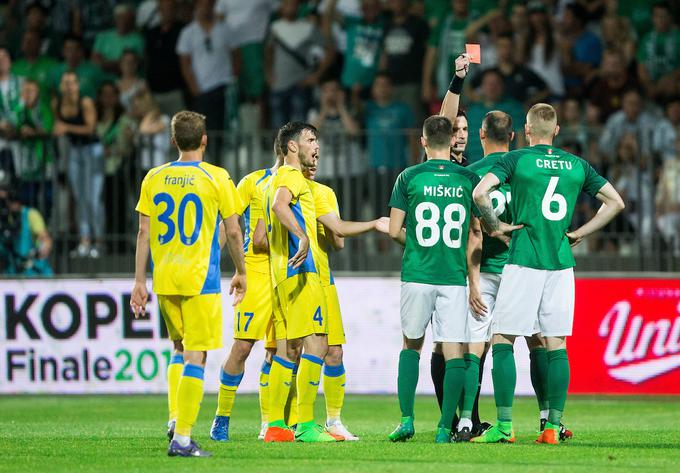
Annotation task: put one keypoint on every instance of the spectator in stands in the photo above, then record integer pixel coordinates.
(109, 45)
(632, 119)
(32, 65)
(605, 91)
(163, 72)
(659, 50)
(573, 129)
(76, 119)
(36, 16)
(666, 134)
(668, 201)
(519, 82)
(492, 98)
(581, 49)
(91, 17)
(364, 36)
(618, 34)
(153, 146)
(89, 74)
(209, 61)
(10, 95)
(130, 83)
(30, 244)
(485, 31)
(403, 46)
(109, 113)
(538, 48)
(148, 15)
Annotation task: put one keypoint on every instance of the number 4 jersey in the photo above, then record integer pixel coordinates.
(185, 203)
(437, 198)
(545, 182)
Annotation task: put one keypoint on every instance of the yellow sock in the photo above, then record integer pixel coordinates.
(279, 387)
(264, 391)
(174, 374)
(308, 386)
(189, 397)
(334, 390)
(291, 406)
(227, 395)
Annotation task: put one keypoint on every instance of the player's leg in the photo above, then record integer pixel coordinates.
(454, 379)
(171, 313)
(264, 388)
(475, 352)
(538, 359)
(437, 372)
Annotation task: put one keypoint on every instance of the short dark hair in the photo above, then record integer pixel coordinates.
(579, 12)
(461, 113)
(74, 38)
(384, 75)
(36, 6)
(665, 5)
(292, 131)
(498, 126)
(187, 130)
(438, 131)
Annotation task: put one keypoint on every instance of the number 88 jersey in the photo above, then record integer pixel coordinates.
(185, 203)
(437, 198)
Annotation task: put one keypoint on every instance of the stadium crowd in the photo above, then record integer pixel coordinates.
(87, 90)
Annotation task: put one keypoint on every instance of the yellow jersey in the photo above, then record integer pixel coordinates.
(185, 202)
(282, 245)
(325, 202)
(251, 190)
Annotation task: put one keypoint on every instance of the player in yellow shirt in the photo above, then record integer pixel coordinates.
(253, 316)
(181, 207)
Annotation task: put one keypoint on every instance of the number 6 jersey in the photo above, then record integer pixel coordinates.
(185, 203)
(545, 182)
(437, 198)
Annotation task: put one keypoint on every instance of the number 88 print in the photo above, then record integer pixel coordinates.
(432, 223)
(166, 217)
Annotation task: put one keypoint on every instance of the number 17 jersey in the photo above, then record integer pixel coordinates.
(437, 198)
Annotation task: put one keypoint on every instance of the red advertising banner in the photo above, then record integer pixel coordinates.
(626, 337)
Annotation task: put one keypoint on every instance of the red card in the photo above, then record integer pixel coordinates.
(474, 51)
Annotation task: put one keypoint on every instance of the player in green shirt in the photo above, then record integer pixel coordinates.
(536, 292)
(434, 199)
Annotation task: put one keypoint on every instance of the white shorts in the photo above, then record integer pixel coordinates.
(445, 306)
(480, 330)
(528, 295)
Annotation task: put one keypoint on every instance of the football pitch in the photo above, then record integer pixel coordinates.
(127, 433)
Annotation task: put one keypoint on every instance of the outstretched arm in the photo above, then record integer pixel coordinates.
(452, 98)
(612, 204)
(345, 228)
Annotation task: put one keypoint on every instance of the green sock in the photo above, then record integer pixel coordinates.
(453, 386)
(471, 385)
(407, 381)
(539, 376)
(504, 376)
(558, 384)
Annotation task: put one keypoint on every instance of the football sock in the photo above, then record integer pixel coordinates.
(558, 384)
(475, 408)
(539, 376)
(504, 376)
(279, 387)
(471, 385)
(437, 371)
(189, 397)
(264, 391)
(291, 411)
(227, 394)
(175, 369)
(334, 389)
(454, 379)
(407, 381)
(308, 386)
(464, 423)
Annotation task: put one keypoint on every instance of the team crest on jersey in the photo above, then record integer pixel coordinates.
(549, 150)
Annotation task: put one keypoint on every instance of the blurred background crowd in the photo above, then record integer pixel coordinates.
(88, 88)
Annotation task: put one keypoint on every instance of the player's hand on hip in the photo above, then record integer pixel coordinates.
(299, 257)
(238, 288)
(574, 238)
(382, 225)
(462, 65)
(504, 231)
(138, 299)
(477, 306)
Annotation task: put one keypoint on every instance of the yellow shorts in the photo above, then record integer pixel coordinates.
(336, 332)
(276, 330)
(254, 314)
(196, 320)
(303, 305)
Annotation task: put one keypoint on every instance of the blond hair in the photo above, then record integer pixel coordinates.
(542, 120)
(187, 130)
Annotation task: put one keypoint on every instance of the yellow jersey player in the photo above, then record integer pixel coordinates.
(181, 206)
(253, 316)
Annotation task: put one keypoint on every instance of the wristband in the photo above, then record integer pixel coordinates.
(456, 85)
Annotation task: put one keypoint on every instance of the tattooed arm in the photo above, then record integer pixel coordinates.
(493, 226)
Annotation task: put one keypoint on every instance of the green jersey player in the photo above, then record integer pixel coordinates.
(537, 286)
(434, 199)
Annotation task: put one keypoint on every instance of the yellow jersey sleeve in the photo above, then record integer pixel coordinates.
(293, 180)
(230, 200)
(245, 189)
(144, 203)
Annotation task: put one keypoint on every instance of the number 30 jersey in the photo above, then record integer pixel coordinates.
(437, 198)
(545, 183)
(185, 203)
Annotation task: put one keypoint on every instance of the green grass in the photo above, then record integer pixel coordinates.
(126, 433)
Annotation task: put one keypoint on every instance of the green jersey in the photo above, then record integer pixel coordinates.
(494, 251)
(437, 198)
(544, 182)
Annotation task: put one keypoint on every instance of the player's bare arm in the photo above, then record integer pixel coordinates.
(451, 101)
(474, 261)
(396, 226)
(346, 228)
(222, 235)
(235, 245)
(260, 240)
(492, 224)
(140, 295)
(281, 208)
(612, 204)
